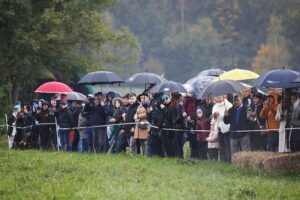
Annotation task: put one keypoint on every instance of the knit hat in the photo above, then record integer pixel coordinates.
(199, 111)
(17, 107)
(165, 96)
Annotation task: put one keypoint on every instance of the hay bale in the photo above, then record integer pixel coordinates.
(289, 162)
(268, 161)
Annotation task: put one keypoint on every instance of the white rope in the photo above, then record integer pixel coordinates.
(149, 125)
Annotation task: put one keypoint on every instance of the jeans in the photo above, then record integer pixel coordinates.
(89, 139)
(65, 140)
(82, 146)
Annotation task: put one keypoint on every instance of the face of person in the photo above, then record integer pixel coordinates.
(45, 107)
(270, 100)
(237, 102)
(293, 98)
(63, 105)
(40, 104)
(219, 99)
(109, 97)
(167, 100)
(199, 115)
(246, 92)
(190, 94)
(256, 100)
(98, 98)
(53, 102)
(126, 101)
(118, 104)
(132, 100)
(74, 104)
(144, 99)
(278, 91)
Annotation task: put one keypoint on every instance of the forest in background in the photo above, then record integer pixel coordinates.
(43, 40)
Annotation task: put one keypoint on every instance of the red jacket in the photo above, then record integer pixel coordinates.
(203, 124)
(189, 105)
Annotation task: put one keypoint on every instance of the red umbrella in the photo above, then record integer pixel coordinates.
(54, 87)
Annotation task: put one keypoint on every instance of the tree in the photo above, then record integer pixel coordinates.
(274, 53)
(57, 39)
(193, 50)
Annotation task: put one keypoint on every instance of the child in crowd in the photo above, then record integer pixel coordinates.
(213, 142)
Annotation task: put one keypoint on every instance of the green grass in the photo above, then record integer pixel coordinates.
(51, 175)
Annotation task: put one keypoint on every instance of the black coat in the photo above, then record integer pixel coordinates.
(241, 124)
(65, 118)
(178, 120)
(45, 117)
(76, 113)
(130, 118)
(167, 117)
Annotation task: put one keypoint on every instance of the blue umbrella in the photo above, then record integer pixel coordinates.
(278, 78)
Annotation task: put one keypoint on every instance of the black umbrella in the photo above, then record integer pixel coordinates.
(145, 77)
(220, 88)
(279, 78)
(212, 72)
(168, 86)
(100, 77)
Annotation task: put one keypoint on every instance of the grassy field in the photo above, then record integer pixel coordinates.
(52, 175)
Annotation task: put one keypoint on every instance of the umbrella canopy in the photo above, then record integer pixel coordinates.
(278, 78)
(145, 77)
(212, 72)
(220, 88)
(73, 96)
(54, 87)
(168, 86)
(297, 80)
(238, 75)
(199, 83)
(100, 77)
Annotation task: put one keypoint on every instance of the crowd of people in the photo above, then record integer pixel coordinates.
(159, 124)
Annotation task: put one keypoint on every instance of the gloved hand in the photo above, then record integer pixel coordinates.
(184, 114)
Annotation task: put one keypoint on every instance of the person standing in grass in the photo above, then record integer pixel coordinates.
(178, 122)
(141, 130)
(12, 130)
(65, 122)
(268, 113)
(167, 136)
(218, 111)
(213, 142)
(128, 129)
(202, 124)
(116, 119)
(44, 116)
(238, 118)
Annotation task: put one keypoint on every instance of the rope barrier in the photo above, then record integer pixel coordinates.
(149, 125)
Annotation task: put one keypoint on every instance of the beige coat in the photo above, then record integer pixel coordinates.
(141, 113)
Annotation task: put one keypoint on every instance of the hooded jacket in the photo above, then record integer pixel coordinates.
(219, 121)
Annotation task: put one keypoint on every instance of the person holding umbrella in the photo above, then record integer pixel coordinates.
(99, 117)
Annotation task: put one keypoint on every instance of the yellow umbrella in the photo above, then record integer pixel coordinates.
(238, 75)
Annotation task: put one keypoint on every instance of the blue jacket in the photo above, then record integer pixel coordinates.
(240, 123)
